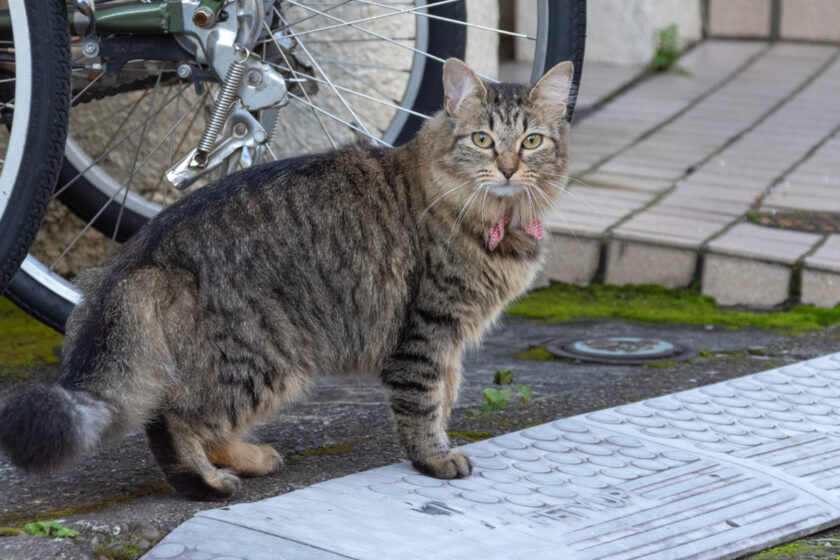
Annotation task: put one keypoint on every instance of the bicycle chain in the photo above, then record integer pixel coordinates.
(101, 93)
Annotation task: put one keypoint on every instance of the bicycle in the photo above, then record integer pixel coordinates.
(181, 92)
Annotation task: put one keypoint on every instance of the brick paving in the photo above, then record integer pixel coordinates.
(666, 173)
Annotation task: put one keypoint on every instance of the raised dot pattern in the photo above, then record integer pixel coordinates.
(545, 466)
(774, 408)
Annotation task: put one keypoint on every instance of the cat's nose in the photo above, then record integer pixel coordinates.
(508, 166)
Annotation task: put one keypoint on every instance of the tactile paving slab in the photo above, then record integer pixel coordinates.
(713, 473)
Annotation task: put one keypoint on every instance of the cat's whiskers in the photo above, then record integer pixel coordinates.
(568, 178)
(462, 214)
(549, 239)
(573, 194)
(484, 203)
(441, 197)
(530, 201)
(557, 212)
(580, 182)
(558, 176)
(537, 202)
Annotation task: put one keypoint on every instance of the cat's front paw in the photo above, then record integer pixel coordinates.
(455, 464)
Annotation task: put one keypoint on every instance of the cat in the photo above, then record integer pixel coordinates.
(232, 301)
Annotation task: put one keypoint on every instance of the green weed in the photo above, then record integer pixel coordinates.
(667, 50)
(51, 529)
(497, 399)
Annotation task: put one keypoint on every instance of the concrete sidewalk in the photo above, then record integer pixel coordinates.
(710, 473)
(670, 176)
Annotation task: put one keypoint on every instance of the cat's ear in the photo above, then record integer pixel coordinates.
(554, 87)
(460, 84)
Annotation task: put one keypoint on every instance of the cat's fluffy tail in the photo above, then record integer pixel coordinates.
(47, 427)
(115, 371)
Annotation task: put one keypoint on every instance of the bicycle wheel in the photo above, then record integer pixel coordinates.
(34, 101)
(379, 82)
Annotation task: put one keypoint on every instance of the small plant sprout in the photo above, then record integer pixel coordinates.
(497, 399)
(503, 377)
(667, 51)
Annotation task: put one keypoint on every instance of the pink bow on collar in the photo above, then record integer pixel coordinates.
(497, 231)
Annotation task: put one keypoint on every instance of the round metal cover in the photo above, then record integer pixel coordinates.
(629, 350)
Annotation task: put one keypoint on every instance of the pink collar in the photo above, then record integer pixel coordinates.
(497, 231)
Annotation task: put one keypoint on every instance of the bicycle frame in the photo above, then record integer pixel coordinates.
(163, 16)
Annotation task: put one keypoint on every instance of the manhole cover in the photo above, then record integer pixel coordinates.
(629, 350)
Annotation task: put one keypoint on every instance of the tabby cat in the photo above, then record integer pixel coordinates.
(231, 302)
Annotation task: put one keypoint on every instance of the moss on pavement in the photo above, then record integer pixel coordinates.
(806, 549)
(563, 302)
(24, 342)
(536, 353)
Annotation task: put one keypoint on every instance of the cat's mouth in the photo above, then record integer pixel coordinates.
(504, 188)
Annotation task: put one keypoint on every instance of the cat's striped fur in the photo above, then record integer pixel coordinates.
(234, 300)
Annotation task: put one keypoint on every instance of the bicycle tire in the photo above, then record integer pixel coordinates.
(566, 40)
(42, 102)
(565, 28)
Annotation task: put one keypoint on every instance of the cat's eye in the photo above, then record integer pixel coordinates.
(532, 141)
(482, 139)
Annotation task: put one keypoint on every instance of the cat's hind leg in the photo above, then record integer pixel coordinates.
(246, 459)
(182, 456)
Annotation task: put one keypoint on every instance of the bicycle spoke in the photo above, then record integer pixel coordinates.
(450, 20)
(134, 164)
(289, 133)
(100, 119)
(125, 119)
(354, 22)
(371, 87)
(360, 94)
(339, 119)
(295, 76)
(383, 37)
(316, 15)
(120, 190)
(360, 40)
(171, 152)
(326, 77)
(204, 105)
(87, 87)
(340, 63)
(115, 146)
